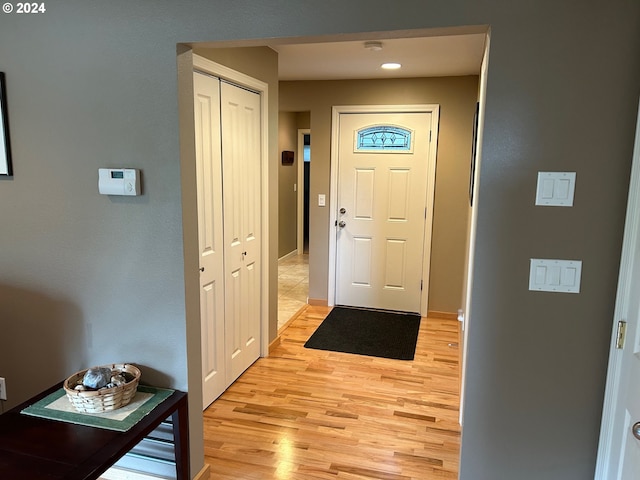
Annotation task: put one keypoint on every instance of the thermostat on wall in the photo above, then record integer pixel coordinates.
(119, 181)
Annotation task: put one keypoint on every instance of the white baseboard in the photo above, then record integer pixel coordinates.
(204, 473)
(289, 255)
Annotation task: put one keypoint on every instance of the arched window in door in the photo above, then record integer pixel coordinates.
(381, 138)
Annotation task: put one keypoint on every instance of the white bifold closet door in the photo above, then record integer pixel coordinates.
(227, 125)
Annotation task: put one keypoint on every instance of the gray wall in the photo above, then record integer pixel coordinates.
(87, 279)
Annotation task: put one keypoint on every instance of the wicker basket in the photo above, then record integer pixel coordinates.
(107, 399)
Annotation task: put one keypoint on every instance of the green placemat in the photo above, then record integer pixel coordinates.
(57, 406)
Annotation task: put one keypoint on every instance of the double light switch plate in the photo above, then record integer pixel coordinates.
(555, 189)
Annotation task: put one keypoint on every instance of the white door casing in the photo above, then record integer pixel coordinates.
(619, 451)
(241, 189)
(210, 238)
(382, 243)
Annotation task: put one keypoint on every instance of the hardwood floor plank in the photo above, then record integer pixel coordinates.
(314, 414)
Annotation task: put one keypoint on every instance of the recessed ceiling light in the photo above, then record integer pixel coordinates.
(373, 46)
(391, 66)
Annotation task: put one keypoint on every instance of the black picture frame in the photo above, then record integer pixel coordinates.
(6, 168)
(472, 172)
(287, 157)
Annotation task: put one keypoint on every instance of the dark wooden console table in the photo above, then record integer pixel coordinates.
(40, 449)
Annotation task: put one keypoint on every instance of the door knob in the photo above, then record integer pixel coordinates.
(202, 269)
(636, 430)
(342, 224)
(343, 211)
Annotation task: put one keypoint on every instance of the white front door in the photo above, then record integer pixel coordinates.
(210, 238)
(619, 449)
(241, 164)
(383, 161)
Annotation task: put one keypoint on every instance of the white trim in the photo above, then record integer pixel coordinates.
(301, 133)
(223, 72)
(333, 195)
(430, 200)
(288, 255)
(606, 449)
(226, 73)
(336, 111)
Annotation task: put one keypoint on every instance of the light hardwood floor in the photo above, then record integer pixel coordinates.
(312, 414)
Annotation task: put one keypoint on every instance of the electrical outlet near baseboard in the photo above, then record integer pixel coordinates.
(3, 389)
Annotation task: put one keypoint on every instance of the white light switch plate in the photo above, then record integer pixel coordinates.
(561, 276)
(555, 189)
(322, 200)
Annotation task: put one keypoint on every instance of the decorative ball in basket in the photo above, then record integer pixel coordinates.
(102, 389)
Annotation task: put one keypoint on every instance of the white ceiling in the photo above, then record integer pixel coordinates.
(450, 55)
